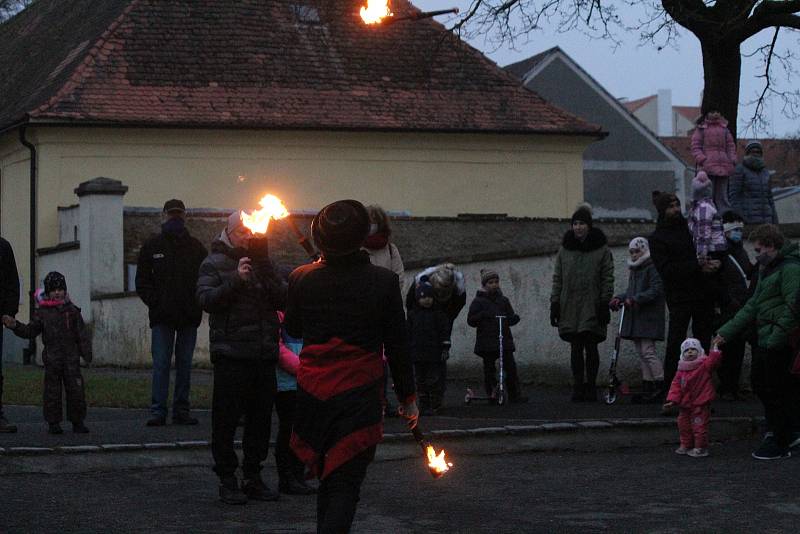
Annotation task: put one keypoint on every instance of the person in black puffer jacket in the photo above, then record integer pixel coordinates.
(9, 305)
(489, 303)
(242, 299)
(429, 341)
(166, 279)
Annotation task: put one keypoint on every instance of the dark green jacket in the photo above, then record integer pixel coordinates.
(772, 307)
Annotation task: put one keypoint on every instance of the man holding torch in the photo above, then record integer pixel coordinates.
(239, 289)
(345, 309)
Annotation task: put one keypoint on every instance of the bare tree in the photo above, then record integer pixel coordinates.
(721, 26)
(8, 8)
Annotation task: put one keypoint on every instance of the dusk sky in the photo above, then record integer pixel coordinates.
(635, 70)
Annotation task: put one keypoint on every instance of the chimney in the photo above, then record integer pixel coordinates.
(665, 126)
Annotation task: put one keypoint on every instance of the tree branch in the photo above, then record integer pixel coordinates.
(768, 81)
(777, 20)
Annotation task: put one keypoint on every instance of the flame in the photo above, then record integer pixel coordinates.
(376, 11)
(437, 462)
(271, 208)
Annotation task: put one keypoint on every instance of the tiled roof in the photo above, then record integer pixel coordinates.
(634, 105)
(256, 64)
(690, 113)
(781, 156)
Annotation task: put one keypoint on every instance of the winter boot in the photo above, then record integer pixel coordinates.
(229, 491)
(659, 393)
(6, 427)
(54, 428)
(577, 393)
(254, 488)
(290, 482)
(589, 393)
(647, 390)
(79, 428)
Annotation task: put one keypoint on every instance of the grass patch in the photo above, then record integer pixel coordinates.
(24, 384)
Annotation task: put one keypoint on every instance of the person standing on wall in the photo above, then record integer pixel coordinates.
(348, 312)
(166, 279)
(9, 305)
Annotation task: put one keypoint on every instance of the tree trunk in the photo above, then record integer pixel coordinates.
(722, 66)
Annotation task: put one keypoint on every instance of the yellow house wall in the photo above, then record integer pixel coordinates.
(14, 202)
(425, 174)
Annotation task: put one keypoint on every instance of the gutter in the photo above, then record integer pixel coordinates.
(30, 353)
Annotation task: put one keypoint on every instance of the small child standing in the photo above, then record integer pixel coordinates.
(488, 305)
(692, 391)
(705, 222)
(66, 340)
(644, 317)
(429, 335)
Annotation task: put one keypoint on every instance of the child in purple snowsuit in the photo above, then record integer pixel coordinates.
(692, 391)
(705, 222)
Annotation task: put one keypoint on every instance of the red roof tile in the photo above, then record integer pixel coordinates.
(634, 105)
(256, 64)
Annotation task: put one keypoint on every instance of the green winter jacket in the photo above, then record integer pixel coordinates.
(771, 308)
(583, 282)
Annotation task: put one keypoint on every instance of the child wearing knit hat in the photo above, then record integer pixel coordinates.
(488, 305)
(705, 221)
(692, 391)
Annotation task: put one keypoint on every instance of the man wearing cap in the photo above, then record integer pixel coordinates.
(166, 278)
(345, 309)
(240, 291)
(686, 286)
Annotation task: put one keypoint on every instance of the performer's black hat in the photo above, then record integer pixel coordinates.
(340, 228)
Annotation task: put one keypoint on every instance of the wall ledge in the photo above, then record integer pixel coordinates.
(113, 296)
(61, 247)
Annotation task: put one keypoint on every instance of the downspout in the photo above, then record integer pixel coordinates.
(29, 355)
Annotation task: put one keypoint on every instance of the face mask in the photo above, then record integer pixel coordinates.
(735, 236)
(764, 259)
(373, 229)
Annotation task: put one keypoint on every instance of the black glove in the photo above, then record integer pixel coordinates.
(555, 313)
(603, 314)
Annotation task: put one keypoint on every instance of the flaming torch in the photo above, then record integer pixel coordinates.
(378, 11)
(437, 463)
(258, 223)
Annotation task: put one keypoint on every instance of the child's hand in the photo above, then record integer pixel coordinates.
(667, 405)
(9, 321)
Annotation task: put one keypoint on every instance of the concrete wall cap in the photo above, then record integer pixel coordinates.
(101, 186)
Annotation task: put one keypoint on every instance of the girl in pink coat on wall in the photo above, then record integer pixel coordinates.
(714, 152)
(692, 391)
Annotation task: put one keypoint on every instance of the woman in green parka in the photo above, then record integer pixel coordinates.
(583, 284)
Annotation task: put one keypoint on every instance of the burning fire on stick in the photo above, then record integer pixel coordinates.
(378, 11)
(437, 463)
(272, 209)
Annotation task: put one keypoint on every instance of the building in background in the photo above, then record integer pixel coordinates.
(662, 118)
(621, 171)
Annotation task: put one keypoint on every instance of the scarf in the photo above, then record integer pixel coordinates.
(685, 365)
(643, 258)
(175, 226)
(376, 241)
(753, 162)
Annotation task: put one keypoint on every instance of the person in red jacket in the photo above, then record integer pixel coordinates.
(692, 391)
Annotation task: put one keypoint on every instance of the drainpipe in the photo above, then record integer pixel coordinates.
(29, 354)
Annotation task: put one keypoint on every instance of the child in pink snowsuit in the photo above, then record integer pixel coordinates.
(692, 391)
(714, 152)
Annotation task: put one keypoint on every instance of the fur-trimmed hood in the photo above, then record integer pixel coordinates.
(594, 240)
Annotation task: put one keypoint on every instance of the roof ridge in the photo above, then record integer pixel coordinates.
(75, 78)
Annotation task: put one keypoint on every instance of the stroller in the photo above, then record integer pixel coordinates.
(499, 395)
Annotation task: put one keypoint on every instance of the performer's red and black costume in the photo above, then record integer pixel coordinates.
(346, 310)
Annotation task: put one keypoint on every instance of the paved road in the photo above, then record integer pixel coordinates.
(623, 491)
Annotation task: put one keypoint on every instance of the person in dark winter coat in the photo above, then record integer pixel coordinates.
(9, 305)
(685, 279)
(166, 279)
(488, 305)
(346, 310)
(241, 293)
(714, 151)
(736, 272)
(583, 284)
(644, 316)
(749, 189)
(429, 342)
(66, 340)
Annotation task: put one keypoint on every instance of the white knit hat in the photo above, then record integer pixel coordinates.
(639, 243)
(692, 343)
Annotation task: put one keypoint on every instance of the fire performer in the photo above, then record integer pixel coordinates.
(237, 286)
(345, 309)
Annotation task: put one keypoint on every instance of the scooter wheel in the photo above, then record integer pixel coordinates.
(610, 397)
(501, 398)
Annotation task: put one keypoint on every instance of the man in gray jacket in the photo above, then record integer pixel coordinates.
(241, 295)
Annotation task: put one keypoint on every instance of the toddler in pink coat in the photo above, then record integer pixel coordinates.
(692, 391)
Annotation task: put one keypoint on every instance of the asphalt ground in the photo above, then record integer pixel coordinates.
(635, 490)
(113, 425)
